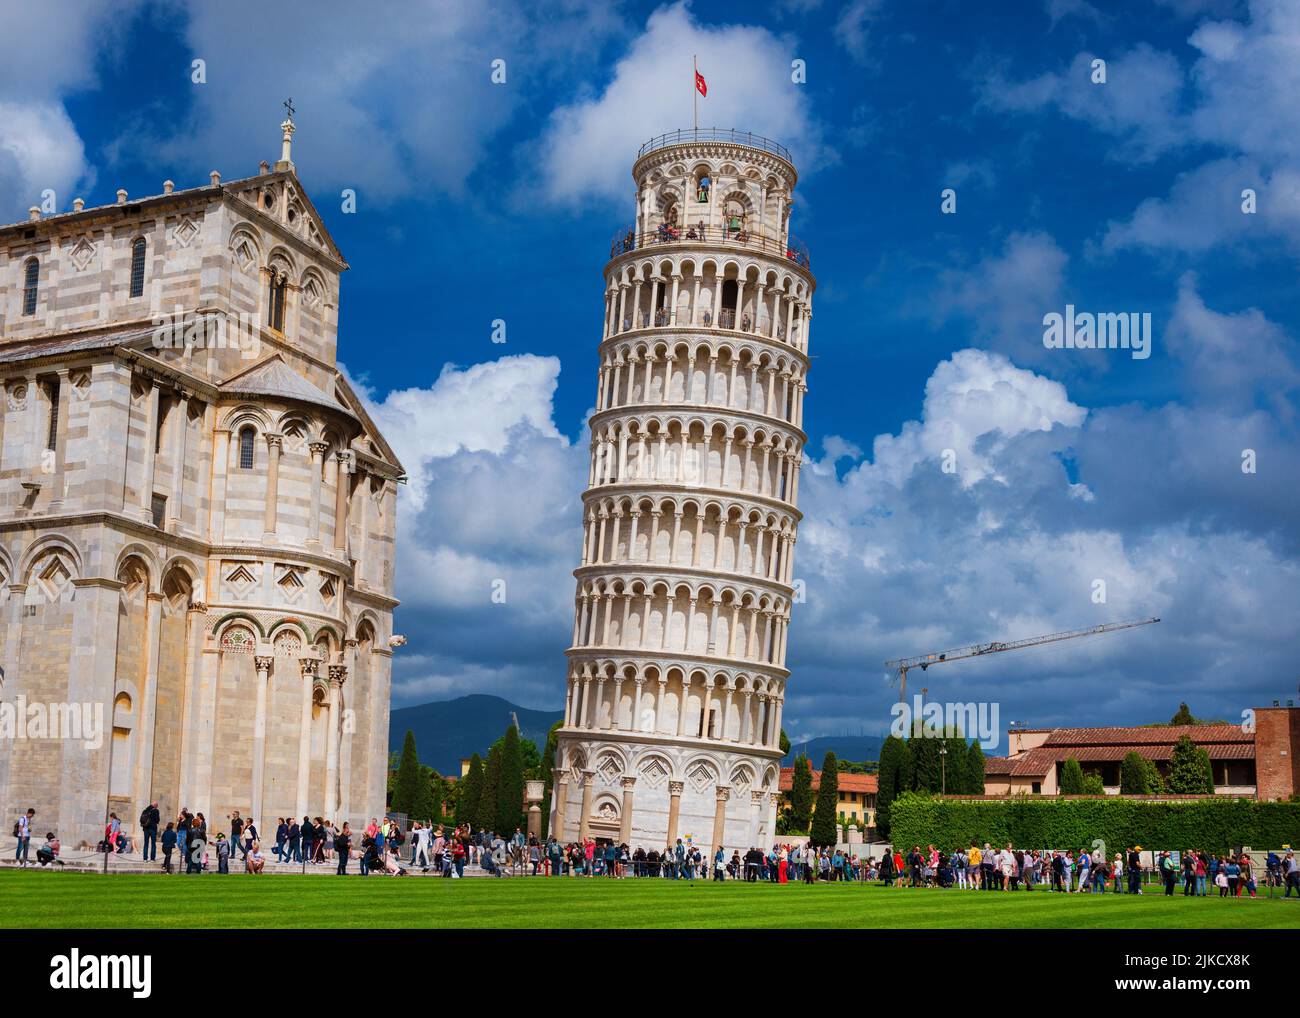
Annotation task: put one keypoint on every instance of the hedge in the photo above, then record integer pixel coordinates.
(1214, 824)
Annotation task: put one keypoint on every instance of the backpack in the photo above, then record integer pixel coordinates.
(144, 817)
(17, 825)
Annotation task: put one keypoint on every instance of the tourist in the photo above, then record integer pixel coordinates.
(236, 832)
(23, 832)
(307, 834)
(48, 854)
(1291, 872)
(1134, 870)
(198, 844)
(1168, 873)
(150, 817)
(223, 854)
(183, 821)
(250, 837)
(343, 846)
(254, 861)
(279, 850)
(168, 845)
(719, 864)
(293, 839)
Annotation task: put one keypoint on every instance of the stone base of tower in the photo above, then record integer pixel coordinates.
(646, 792)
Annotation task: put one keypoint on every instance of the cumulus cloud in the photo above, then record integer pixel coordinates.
(489, 527)
(1139, 103)
(902, 558)
(1005, 295)
(585, 149)
(52, 51)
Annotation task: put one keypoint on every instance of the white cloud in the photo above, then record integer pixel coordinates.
(1006, 294)
(588, 145)
(51, 51)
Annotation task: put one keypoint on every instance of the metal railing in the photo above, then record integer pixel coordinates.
(628, 239)
(729, 135)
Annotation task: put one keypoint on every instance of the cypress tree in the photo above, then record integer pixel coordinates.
(406, 797)
(825, 818)
(801, 795)
(471, 790)
(548, 775)
(485, 817)
(895, 778)
(785, 743)
(925, 762)
(974, 783)
(1204, 757)
(1183, 716)
(1133, 775)
(1187, 772)
(510, 784)
(1072, 778)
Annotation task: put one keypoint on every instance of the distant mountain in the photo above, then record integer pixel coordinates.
(447, 730)
(845, 747)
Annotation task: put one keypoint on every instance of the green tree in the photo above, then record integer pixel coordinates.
(547, 774)
(785, 743)
(1155, 780)
(407, 796)
(801, 796)
(485, 817)
(1183, 716)
(1092, 785)
(1187, 772)
(824, 830)
(1072, 778)
(1133, 775)
(974, 784)
(510, 784)
(1202, 754)
(433, 796)
(925, 762)
(952, 765)
(470, 791)
(895, 779)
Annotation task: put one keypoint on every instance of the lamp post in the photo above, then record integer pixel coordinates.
(943, 769)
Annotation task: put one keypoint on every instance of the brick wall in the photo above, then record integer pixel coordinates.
(1277, 752)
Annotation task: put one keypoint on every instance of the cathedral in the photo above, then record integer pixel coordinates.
(197, 516)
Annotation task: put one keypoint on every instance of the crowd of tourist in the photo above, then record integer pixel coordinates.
(447, 850)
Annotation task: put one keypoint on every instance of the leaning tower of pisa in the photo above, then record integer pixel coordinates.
(676, 673)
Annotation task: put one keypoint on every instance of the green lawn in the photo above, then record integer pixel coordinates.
(80, 900)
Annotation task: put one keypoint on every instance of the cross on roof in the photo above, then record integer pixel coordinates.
(288, 106)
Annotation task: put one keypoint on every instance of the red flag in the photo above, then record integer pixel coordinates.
(700, 86)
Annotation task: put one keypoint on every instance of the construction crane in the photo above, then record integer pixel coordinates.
(924, 661)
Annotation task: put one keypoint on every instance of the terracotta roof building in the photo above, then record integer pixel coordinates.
(857, 795)
(1037, 756)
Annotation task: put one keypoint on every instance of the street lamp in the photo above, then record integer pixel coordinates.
(943, 769)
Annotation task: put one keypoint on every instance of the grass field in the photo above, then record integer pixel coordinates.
(90, 901)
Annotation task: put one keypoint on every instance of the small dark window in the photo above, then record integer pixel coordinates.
(246, 449)
(275, 302)
(137, 268)
(158, 506)
(31, 273)
(52, 432)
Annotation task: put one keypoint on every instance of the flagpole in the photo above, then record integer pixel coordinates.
(695, 89)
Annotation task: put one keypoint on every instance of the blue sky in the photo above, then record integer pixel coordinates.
(479, 201)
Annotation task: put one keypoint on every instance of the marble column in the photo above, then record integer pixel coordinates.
(719, 822)
(625, 821)
(302, 802)
(675, 789)
(584, 821)
(263, 664)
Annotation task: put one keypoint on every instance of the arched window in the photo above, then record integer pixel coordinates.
(137, 267)
(275, 301)
(246, 449)
(31, 273)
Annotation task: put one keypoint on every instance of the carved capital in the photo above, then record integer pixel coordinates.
(676, 788)
(263, 662)
(724, 793)
(338, 674)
